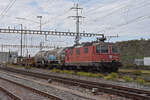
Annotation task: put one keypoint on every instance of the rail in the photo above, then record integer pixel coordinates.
(11, 95)
(29, 88)
(132, 93)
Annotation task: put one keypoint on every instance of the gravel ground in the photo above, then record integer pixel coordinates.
(21, 92)
(50, 90)
(74, 90)
(120, 83)
(4, 96)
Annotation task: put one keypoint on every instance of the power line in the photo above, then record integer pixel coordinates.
(20, 18)
(60, 15)
(142, 4)
(129, 22)
(133, 20)
(111, 11)
(10, 5)
(119, 8)
(6, 8)
(99, 7)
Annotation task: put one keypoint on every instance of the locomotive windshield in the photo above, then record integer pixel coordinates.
(115, 49)
(71, 51)
(102, 49)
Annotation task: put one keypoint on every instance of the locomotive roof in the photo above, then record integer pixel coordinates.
(85, 44)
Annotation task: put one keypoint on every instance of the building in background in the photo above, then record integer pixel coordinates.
(7, 57)
(141, 62)
(147, 61)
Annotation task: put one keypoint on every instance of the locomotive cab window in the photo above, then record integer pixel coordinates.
(98, 49)
(85, 50)
(78, 51)
(102, 49)
(115, 49)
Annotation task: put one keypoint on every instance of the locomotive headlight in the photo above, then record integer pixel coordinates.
(110, 56)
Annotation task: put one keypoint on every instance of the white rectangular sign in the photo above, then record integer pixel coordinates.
(147, 61)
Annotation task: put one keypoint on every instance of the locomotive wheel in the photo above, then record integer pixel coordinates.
(115, 69)
(90, 69)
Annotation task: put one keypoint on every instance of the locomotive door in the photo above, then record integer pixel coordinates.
(67, 56)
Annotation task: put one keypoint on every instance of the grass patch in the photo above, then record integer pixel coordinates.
(127, 79)
(20, 66)
(63, 71)
(27, 67)
(147, 84)
(57, 70)
(86, 74)
(135, 67)
(134, 71)
(148, 74)
(12, 65)
(83, 74)
(69, 72)
(112, 76)
(138, 72)
(98, 75)
(140, 81)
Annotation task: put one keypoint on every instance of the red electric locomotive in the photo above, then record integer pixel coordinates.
(101, 57)
(92, 57)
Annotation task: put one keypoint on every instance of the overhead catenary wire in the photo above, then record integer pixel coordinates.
(105, 13)
(9, 6)
(54, 18)
(90, 11)
(6, 8)
(140, 5)
(117, 8)
(141, 18)
(112, 11)
(26, 19)
(60, 15)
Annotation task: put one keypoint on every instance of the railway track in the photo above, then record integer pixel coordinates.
(132, 93)
(11, 95)
(22, 92)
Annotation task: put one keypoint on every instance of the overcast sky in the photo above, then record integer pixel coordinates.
(130, 19)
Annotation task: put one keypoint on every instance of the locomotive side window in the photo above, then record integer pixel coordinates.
(102, 49)
(85, 50)
(115, 49)
(98, 49)
(71, 51)
(78, 51)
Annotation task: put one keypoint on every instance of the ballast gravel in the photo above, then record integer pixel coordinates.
(21, 92)
(100, 80)
(50, 90)
(4, 96)
(72, 89)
